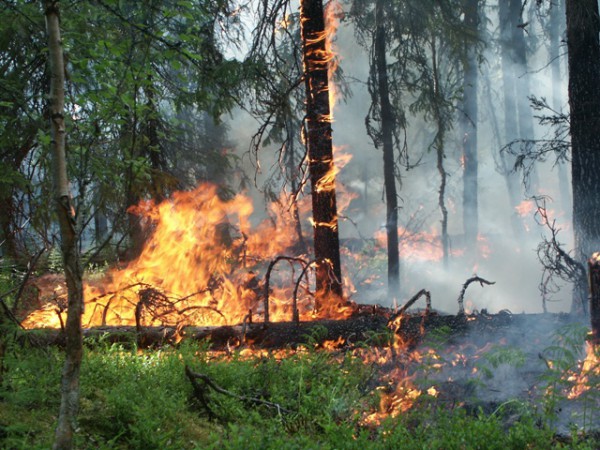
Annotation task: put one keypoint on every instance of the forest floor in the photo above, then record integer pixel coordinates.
(504, 382)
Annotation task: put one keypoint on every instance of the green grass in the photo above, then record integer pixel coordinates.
(142, 400)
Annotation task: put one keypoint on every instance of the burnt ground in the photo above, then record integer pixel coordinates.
(498, 362)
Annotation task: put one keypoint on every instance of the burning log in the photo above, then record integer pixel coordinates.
(594, 284)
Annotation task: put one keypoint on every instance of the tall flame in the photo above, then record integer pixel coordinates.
(201, 265)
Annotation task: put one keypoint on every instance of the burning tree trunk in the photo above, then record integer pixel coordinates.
(320, 151)
(594, 281)
(66, 215)
(583, 27)
(387, 124)
(470, 82)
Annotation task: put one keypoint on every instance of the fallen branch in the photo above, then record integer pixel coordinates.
(200, 391)
(461, 297)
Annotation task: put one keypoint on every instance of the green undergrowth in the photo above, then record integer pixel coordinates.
(133, 399)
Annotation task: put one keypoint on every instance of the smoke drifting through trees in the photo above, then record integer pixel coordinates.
(508, 234)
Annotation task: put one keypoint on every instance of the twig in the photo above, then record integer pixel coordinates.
(30, 267)
(9, 313)
(461, 297)
(193, 376)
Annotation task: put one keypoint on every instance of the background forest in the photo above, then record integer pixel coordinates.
(173, 152)
(163, 96)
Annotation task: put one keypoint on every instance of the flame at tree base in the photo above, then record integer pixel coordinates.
(200, 266)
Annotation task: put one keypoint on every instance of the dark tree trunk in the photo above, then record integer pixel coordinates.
(469, 125)
(594, 286)
(69, 402)
(320, 152)
(583, 27)
(387, 138)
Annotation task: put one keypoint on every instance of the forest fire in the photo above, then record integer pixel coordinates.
(199, 266)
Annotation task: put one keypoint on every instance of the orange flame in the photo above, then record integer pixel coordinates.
(200, 266)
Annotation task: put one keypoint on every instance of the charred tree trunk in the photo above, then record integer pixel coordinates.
(594, 285)
(69, 403)
(320, 152)
(387, 139)
(469, 123)
(583, 28)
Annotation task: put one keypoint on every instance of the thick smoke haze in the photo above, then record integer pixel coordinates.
(510, 262)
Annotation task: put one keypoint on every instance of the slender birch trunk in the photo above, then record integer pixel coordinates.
(69, 402)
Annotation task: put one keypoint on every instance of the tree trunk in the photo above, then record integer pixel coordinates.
(510, 116)
(523, 90)
(69, 402)
(320, 152)
(469, 125)
(439, 148)
(556, 14)
(583, 27)
(387, 124)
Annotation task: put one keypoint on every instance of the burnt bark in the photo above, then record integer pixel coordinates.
(69, 403)
(594, 285)
(387, 141)
(583, 28)
(320, 152)
(469, 126)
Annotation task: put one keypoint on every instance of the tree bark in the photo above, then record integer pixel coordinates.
(469, 125)
(387, 125)
(320, 152)
(66, 215)
(583, 27)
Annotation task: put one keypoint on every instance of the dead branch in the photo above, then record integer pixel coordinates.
(461, 297)
(412, 301)
(268, 279)
(200, 391)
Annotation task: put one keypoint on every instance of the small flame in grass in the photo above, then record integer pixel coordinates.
(589, 367)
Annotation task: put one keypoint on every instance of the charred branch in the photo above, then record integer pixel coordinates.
(422, 293)
(461, 296)
(268, 278)
(556, 262)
